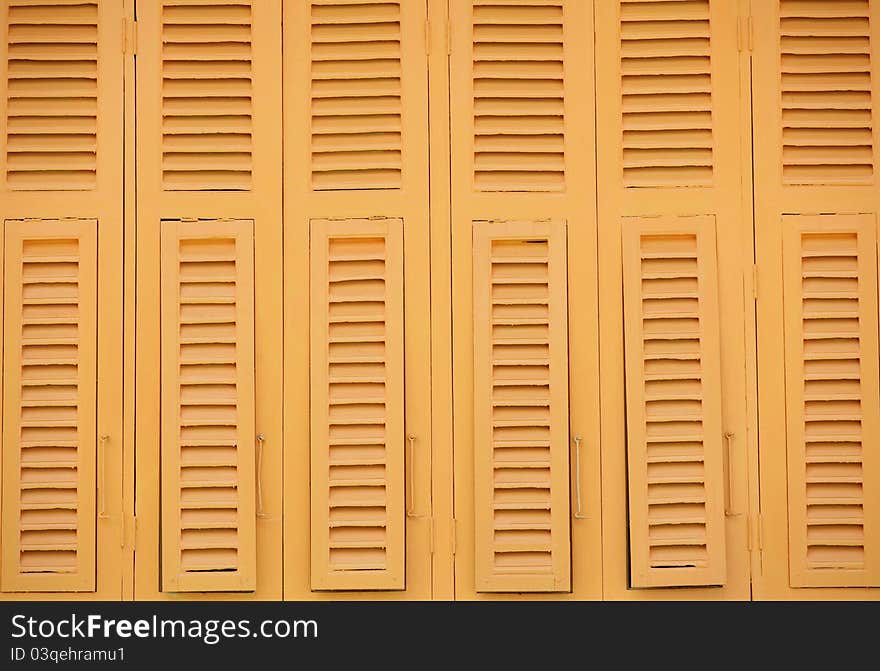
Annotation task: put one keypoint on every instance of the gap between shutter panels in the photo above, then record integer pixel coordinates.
(207, 96)
(518, 89)
(356, 104)
(50, 431)
(52, 96)
(208, 478)
(666, 86)
(673, 403)
(825, 56)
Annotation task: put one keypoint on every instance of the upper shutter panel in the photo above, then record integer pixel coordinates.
(518, 89)
(207, 95)
(825, 58)
(833, 401)
(666, 86)
(52, 95)
(521, 445)
(357, 106)
(208, 470)
(49, 406)
(673, 402)
(357, 441)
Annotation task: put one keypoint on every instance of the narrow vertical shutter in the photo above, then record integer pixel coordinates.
(832, 399)
(826, 105)
(666, 93)
(207, 95)
(673, 401)
(51, 95)
(357, 97)
(49, 406)
(357, 391)
(518, 95)
(521, 407)
(208, 470)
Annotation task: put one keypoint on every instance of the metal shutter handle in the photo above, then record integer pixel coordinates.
(577, 478)
(411, 498)
(728, 495)
(260, 439)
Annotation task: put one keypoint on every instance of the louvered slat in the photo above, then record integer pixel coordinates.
(208, 470)
(521, 407)
(357, 443)
(52, 95)
(666, 84)
(207, 96)
(356, 94)
(518, 83)
(833, 401)
(49, 413)
(826, 87)
(673, 402)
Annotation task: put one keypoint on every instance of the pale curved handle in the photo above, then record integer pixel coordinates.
(411, 495)
(578, 514)
(102, 512)
(260, 440)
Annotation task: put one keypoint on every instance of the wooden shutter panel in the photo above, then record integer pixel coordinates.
(666, 93)
(208, 470)
(826, 106)
(521, 407)
(518, 95)
(357, 98)
(673, 401)
(207, 95)
(49, 405)
(357, 391)
(832, 399)
(52, 95)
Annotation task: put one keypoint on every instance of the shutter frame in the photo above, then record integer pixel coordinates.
(491, 576)
(387, 573)
(646, 571)
(17, 233)
(239, 575)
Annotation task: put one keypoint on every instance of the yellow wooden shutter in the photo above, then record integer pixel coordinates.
(49, 406)
(208, 469)
(357, 417)
(518, 95)
(673, 402)
(52, 95)
(521, 407)
(207, 92)
(357, 108)
(832, 399)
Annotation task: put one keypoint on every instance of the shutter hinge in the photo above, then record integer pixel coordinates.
(129, 36)
(744, 34)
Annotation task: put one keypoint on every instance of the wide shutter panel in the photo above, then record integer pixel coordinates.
(666, 93)
(208, 469)
(49, 405)
(673, 402)
(826, 106)
(521, 407)
(207, 95)
(357, 436)
(357, 99)
(518, 95)
(51, 95)
(832, 399)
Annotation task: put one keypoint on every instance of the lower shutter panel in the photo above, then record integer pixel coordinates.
(49, 405)
(673, 402)
(521, 445)
(357, 397)
(832, 399)
(208, 470)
